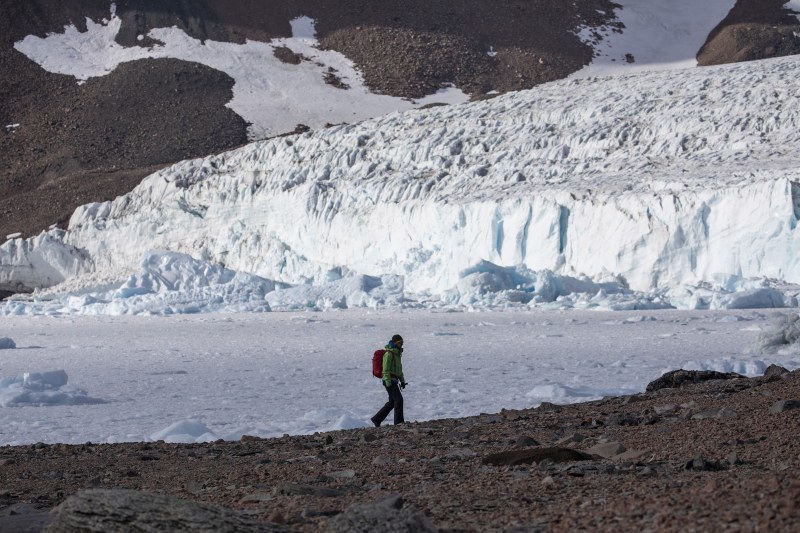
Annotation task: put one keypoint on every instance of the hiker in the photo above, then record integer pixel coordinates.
(393, 380)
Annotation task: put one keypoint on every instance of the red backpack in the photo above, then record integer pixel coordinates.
(377, 363)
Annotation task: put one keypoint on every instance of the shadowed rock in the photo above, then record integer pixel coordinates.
(679, 378)
(24, 518)
(784, 405)
(700, 463)
(389, 515)
(535, 455)
(122, 511)
(295, 489)
(774, 372)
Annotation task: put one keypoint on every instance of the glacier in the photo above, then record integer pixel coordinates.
(656, 189)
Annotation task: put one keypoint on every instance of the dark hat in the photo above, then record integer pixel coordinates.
(397, 338)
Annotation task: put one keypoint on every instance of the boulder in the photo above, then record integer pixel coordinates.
(24, 518)
(122, 511)
(390, 515)
(606, 449)
(679, 378)
(535, 455)
(784, 405)
(296, 489)
(774, 372)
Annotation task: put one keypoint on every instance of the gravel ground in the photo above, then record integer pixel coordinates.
(720, 455)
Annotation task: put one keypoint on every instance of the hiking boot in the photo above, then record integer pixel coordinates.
(377, 424)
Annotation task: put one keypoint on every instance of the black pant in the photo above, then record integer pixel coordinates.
(395, 402)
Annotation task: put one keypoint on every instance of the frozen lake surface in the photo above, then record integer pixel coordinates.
(203, 377)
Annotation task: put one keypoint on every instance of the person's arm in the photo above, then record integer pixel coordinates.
(387, 368)
(399, 372)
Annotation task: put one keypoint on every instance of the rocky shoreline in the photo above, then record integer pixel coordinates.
(698, 451)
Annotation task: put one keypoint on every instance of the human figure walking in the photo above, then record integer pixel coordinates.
(393, 380)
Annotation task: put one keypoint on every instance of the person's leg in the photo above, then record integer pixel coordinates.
(397, 399)
(384, 412)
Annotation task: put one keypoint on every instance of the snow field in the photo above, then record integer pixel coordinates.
(201, 377)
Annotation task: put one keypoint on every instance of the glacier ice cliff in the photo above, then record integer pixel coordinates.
(681, 184)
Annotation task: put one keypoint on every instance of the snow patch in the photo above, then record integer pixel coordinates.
(185, 431)
(271, 95)
(654, 36)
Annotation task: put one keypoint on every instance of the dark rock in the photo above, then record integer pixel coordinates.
(535, 455)
(575, 471)
(526, 441)
(784, 405)
(507, 413)
(701, 464)
(389, 515)
(460, 453)
(25, 519)
(149, 456)
(774, 372)
(549, 407)
(18, 509)
(618, 419)
(122, 511)
(293, 489)
(647, 472)
(717, 412)
(286, 55)
(679, 378)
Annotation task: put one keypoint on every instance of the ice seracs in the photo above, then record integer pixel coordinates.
(667, 184)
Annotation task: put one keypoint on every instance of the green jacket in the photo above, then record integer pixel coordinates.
(392, 366)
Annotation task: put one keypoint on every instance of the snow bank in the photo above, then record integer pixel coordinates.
(173, 283)
(186, 431)
(42, 388)
(782, 337)
(198, 378)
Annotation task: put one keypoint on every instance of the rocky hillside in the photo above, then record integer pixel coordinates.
(95, 141)
(699, 451)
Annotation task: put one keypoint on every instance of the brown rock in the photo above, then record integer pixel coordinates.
(535, 455)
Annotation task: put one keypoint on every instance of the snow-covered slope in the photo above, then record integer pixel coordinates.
(673, 182)
(271, 95)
